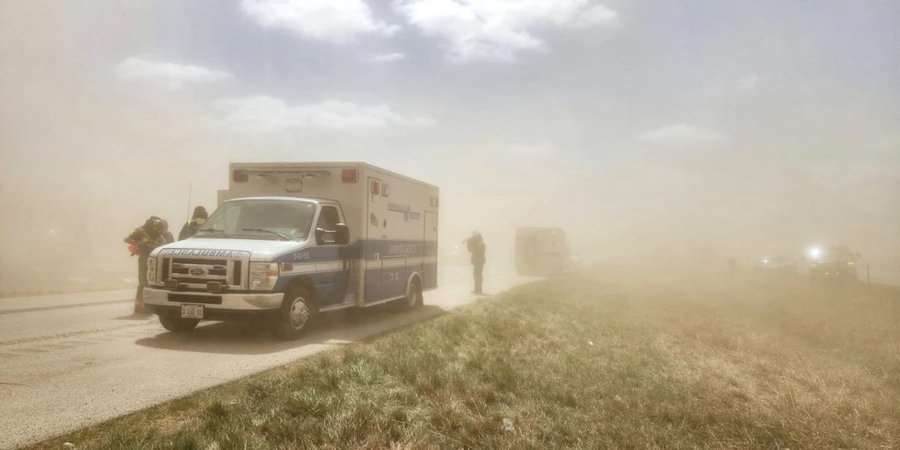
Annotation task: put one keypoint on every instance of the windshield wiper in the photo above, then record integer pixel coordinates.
(209, 232)
(264, 230)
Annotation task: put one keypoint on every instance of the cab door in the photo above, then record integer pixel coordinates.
(332, 259)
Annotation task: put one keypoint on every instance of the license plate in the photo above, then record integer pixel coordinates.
(191, 311)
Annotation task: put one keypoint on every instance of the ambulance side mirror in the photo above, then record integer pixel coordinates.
(341, 234)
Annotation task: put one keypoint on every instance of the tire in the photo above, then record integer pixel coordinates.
(413, 299)
(297, 313)
(176, 324)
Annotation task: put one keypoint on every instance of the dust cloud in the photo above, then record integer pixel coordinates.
(86, 156)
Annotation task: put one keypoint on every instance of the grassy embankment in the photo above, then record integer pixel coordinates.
(590, 361)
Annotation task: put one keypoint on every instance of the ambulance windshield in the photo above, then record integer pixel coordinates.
(261, 219)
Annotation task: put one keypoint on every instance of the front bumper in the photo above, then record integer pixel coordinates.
(245, 302)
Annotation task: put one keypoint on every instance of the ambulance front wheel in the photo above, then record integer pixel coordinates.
(296, 314)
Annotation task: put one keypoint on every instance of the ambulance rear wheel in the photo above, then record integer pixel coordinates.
(176, 324)
(413, 299)
(296, 314)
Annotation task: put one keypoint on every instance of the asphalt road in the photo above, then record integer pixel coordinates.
(73, 360)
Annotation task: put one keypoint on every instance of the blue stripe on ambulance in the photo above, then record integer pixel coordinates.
(386, 274)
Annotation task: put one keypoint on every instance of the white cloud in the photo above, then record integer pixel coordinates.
(328, 20)
(260, 114)
(170, 75)
(532, 151)
(747, 83)
(682, 135)
(387, 57)
(496, 30)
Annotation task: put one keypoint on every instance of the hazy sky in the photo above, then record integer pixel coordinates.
(747, 126)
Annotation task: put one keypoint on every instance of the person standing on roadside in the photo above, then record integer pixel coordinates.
(197, 220)
(167, 235)
(141, 242)
(477, 249)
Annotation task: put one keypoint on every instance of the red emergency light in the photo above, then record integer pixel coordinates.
(349, 175)
(375, 188)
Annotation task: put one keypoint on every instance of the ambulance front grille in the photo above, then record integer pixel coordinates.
(194, 274)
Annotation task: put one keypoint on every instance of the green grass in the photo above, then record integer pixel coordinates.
(597, 360)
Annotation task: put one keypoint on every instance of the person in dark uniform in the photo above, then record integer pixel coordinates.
(141, 242)
(197, 220)
(167, 235)
(477, 249)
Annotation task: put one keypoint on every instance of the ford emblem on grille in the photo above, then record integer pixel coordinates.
(197, 271)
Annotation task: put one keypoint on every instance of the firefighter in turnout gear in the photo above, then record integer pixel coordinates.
(167, 235)
(477, 249)
(141, 242)
(197, 220)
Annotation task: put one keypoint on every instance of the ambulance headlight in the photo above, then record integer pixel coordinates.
(263, 276)
(151, 269)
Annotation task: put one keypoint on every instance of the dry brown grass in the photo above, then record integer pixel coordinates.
(606, 359)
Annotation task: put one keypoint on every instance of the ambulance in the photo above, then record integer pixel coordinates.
(291, 240)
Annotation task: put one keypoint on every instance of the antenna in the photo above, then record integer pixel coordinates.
(190, 191)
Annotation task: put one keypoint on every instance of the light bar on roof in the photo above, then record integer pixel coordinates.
(242, 175)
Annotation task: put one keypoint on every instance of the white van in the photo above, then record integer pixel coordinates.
(290, 240)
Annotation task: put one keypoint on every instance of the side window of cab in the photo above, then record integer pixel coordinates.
(326, 228)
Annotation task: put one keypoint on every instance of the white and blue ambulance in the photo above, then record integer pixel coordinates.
(291, 240)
